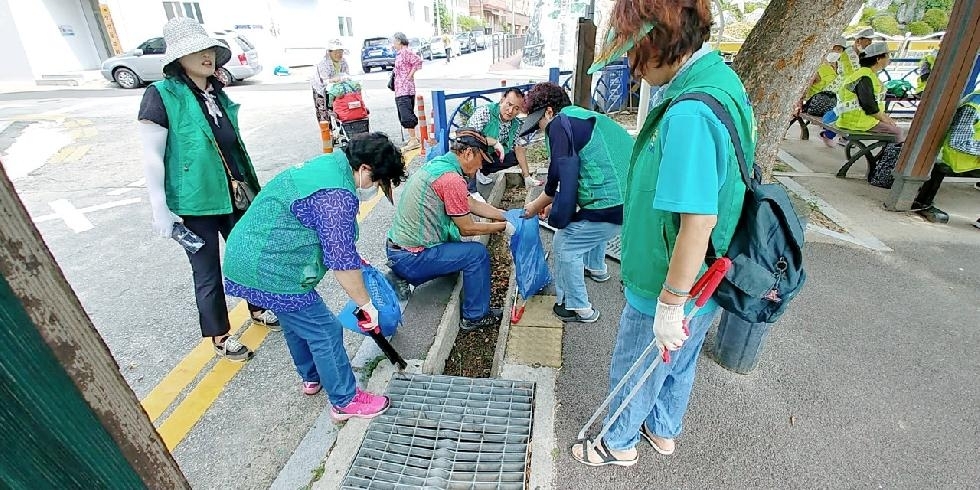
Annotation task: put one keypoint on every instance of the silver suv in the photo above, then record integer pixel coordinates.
(145, 63)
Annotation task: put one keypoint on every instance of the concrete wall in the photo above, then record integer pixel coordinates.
(55, 36)
(15, 66)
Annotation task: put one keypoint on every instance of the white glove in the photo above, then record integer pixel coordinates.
(499, 148)
(531, 182)
(163, 221)
(669, 327)
(367, 317)
(509, 229)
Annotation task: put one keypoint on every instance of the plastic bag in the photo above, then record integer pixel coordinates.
(530, 266)
(383, 297)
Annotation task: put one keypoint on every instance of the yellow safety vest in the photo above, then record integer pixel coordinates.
(957, 160)
(828, 80)
(929, 59)
(850, 62)
(850, 114)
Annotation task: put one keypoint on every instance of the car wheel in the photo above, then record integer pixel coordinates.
(367, 69)
(126, 78)
(224, 76)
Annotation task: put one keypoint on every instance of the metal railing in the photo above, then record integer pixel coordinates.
(506, 45)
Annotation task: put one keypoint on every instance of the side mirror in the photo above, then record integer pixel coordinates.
(138, 52)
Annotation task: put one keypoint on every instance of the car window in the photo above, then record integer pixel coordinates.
(376, 42)
(246, 46)
(154, 46)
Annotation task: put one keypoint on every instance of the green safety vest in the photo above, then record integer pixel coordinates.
(928, 60)
(420, 218)
(960, 161)
(648, 234)
(828, 79)
(603, 163)
(269, 249)
(492, 129)
(850, 114)
(195, 180)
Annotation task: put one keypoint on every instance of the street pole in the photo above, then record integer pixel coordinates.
(582, 90)
(438, 18)
(513, 18)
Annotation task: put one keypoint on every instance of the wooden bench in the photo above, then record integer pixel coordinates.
(868, 144)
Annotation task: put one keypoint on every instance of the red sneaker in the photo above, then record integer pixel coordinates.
(364, 406)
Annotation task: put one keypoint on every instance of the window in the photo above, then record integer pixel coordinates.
(345, 26)
(154, 46)
(183, 9)
(428, 14)
(411, 9)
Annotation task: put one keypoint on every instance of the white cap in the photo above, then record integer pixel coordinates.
(868, 33)
(875, 49)
(335, 45)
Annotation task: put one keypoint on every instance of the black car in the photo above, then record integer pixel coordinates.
(467, 42)
(377, 53)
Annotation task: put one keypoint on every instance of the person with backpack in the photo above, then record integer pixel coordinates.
(302, 224)
(861, 98)
(588, 163)
(684, 191)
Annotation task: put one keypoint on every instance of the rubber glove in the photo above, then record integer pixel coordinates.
(154, 140)
(499, 148)
(669, 326)
(367, 317)
(531, 182)
(509, 229)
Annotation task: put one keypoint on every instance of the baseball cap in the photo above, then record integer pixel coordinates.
(865, 33)
(613, 50)
(472, 138)
(840, 41)
(875, 49)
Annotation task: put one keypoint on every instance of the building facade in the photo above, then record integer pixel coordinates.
(511, 16)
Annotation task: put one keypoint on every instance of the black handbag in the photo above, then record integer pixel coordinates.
(391, 81)
(565, 204)
(820, 104)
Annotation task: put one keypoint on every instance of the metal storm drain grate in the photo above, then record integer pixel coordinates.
(447, 432)
(614, 248)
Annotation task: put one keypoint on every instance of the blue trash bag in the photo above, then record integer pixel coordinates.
(530, 266)
(383, 297)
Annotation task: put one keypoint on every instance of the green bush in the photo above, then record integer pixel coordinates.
(886, 25)
(920, 28)
(867, 14)
(944, 5)
(937, 19)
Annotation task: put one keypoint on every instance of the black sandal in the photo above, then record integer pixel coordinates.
(602, 451)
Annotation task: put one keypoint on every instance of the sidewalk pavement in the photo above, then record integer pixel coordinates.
(870, 379)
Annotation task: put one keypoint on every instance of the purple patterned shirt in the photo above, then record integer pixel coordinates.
(332, 213)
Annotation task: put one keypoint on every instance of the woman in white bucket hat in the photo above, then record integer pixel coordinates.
(331, 69)
(198, 173)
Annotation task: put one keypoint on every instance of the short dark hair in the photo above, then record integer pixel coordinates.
(176, 71)
(680, 27)
(546, 94)
(513, 90)
(377, 151)
(869, 61)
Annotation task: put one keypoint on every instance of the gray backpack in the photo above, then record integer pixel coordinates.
(767, 248)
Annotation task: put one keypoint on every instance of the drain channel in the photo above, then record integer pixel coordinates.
(447, 432)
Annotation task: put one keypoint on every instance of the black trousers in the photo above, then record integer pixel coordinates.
(209, 288)
(406, 111)
(510, 160)
(927, 193)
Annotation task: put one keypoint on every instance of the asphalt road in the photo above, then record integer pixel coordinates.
(75, 159)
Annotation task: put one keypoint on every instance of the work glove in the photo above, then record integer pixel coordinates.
(499, 148)
(530, 182)
(509, 229)
(368, 318)
(669, 327)
(163, 221)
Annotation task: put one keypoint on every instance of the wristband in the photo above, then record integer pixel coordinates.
(675, 292)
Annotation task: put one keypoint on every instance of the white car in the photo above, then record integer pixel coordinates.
(145, 63)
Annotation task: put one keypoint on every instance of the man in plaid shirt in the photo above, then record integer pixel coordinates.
(500, 124)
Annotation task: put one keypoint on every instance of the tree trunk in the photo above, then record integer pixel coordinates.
(778, 60)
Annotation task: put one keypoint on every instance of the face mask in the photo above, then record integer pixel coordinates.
(832, 57)
(366, 194)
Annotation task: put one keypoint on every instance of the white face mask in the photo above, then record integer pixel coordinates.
(368, 193)
(832, 57)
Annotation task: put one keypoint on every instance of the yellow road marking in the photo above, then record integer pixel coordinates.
(410, 155)
(175, 428)
(189, 411)
(70, 153)
(83, 132)
(188, 368)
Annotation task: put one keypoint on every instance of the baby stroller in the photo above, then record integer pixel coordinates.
(348, 114)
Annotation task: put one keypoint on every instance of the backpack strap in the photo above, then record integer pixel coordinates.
(726, 119)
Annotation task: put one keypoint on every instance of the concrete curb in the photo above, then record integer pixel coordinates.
(861, 236)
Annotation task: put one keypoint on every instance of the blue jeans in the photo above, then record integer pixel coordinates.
(580, 245)
(662, 400)
(828, 118)
(316, 341)
(470, 258)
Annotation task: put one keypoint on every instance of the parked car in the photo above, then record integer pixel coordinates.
(145, 63)
(377, 53)
(422, 47)
(467, 43)
(438, 48)
(481, 39)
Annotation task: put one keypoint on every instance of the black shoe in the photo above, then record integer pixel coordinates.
(562, 313)
(490, 319)
(933, 214)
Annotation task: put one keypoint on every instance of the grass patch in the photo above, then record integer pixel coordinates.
(317, 473)
(371, 365)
